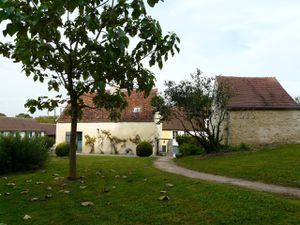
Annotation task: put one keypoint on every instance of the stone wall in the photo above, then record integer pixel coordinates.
(258, 127)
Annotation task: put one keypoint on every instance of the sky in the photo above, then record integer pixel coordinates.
(220, 37)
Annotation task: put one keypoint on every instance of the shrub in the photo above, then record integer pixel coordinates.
(144, 149)
(22, 154)
(62, 149)
(49, 142)
(244, 147)
(181, 139)
(190, 149)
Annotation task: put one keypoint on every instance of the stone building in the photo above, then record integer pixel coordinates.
(260, 112)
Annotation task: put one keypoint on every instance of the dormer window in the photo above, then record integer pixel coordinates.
(136, 109)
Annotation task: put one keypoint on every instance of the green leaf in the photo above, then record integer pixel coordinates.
(152, 2)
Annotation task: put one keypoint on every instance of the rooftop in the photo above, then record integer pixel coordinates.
(256, 93)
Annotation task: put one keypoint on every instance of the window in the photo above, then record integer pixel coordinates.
(136, 109)
(175, 134)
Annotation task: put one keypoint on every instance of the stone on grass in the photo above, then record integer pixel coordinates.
(86, 204)
(163, 192)
(124, 177)
(163, 198)
(39, 182)
(117, 176)
(169, 185)
(34, 199)
(49, 188)
(82, 187)
(66, 192)
(145, 179)
(98, 173)
(25, 192)
(27, 217)
(7, 193)
(55, 175)
(28, 181)
(11, 184)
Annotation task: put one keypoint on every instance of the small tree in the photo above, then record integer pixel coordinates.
(2, 114)
(83, 46)
(197, 103)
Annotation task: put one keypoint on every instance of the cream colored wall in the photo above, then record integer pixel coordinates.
(167, 134)
(258, 127)
(124, 130)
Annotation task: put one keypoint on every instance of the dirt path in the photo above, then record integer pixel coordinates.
(167, 164)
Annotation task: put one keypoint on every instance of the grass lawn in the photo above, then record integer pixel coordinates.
(126, 191)
(280, 165)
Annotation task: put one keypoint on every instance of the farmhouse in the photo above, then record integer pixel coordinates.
(260, 112)
(137, 123)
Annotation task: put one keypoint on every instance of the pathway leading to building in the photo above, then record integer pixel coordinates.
(167, 164)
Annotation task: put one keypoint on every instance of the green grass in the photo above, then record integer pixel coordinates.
(134, 198)
(279, 165)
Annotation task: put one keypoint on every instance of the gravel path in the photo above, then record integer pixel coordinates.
(167, 164)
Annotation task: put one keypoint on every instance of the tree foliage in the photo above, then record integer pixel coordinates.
(23, 115)
(2, 114)
(46, 119)
(198, 104)
(84, 46)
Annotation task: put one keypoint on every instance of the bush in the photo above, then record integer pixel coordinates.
(49, 141)
(144, 149)
(181, 139)
(22, 154)
(190, 149)
(62, 149)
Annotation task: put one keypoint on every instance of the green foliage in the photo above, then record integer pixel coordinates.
(197, 102)
(144, 149)
(2, 114)
(46, 119)
(90, 141)
(181, 139)
(62, 149)
(244, 147)
(23, 115)
(190, 149)
(241, 147)
(21, 154)
(49, 142)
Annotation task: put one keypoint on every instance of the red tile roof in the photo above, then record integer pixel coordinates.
(256, 93)
(11, 124)
(136, 99)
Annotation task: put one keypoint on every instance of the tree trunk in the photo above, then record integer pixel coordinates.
(73, 145)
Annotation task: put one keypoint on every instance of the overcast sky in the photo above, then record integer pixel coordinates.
(228, 37)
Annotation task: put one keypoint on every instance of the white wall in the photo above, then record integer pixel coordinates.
(147, 131)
